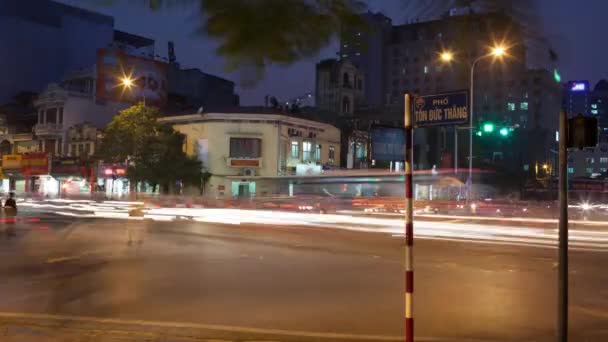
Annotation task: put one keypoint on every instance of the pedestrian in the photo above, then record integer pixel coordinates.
(10, 212)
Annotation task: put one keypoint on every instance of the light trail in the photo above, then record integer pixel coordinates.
(510, 231)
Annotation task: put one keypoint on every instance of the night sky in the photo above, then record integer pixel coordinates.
(574, 29)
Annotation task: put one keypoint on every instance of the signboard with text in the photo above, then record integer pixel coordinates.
(35, 164)
(441, 109)
(387, 143)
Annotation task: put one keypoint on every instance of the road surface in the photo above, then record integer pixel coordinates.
(248, 281)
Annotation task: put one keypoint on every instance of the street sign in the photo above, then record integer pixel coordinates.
(387, 143)
(441, 109)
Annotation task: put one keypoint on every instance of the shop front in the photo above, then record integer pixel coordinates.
(112, 180)
(74, 177)
(28, 173)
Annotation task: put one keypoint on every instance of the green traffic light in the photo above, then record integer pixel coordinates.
(504, 131)
(488, 127)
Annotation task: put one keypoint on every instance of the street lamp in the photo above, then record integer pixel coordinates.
(127, 82)
(496, 51)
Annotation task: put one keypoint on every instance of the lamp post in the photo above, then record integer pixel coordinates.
(447, 56)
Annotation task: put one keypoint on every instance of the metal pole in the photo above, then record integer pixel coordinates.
(562, 274)
(471, 103)
(455, 150)
(409, 222)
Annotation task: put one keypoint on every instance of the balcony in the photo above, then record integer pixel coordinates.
(48, 129)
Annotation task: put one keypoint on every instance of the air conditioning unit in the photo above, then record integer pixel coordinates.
(248, 171)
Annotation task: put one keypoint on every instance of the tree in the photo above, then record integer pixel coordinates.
(153, 151)
(256, 33)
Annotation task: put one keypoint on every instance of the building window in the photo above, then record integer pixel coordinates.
(51, 115)
(88, 149)
(345, 104)
(60, 117)
(589, 160)
(523, 106)
(245, 147)
(589, 170)
(570, 170)
(80, 149)
(332, 154)
(41, 117)
(603, 170)
(594, 105)
(594, 111)
(603, 159)
(306, 151)
(318, 153)
(345, 80)
(426, 69)
(295, 150)
(510, 106)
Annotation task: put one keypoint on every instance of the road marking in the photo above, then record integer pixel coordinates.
(62, 259)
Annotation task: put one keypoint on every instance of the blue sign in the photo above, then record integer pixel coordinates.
(387, 143)
(442, 109)
(579, 86)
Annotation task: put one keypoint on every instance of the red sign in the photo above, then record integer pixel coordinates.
(35, 164)
(149, 78)
(245, 162)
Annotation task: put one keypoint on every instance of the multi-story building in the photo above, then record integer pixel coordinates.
(507, 93)
(256, 151)
(599, 108)
(43, 40)
(576, 98)
(364, 47)
(339, 87)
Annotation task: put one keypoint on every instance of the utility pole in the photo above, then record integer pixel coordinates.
(562, 274)
(409, 221)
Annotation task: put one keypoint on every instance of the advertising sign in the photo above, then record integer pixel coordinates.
(245, 162)
(69, 167)
(11, 162)
(442, 109)
(35, 164)
(149, 78)
(387, 143)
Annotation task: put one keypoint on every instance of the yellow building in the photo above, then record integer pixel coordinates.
(251, 154)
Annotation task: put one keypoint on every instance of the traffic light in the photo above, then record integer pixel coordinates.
(504, 132)
(488, 127)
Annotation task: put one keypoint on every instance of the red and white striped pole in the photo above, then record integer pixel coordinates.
(409, 222)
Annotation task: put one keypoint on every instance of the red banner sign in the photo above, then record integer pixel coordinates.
(35, 164)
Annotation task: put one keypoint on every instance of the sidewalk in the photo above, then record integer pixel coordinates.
(17, 327)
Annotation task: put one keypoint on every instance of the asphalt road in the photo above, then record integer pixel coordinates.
(308, 283)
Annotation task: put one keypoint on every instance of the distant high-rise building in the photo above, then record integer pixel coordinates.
(43, 40)
(576, 98)
(364, 47)
(406, 59)
(599, 108)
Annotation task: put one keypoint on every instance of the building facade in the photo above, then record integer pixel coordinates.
(67, 37)
(256, 154)
(507, 93)
(339, 87)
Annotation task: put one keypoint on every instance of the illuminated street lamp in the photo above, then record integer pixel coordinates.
(127, 82)
(497, 51)
(446, 56)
